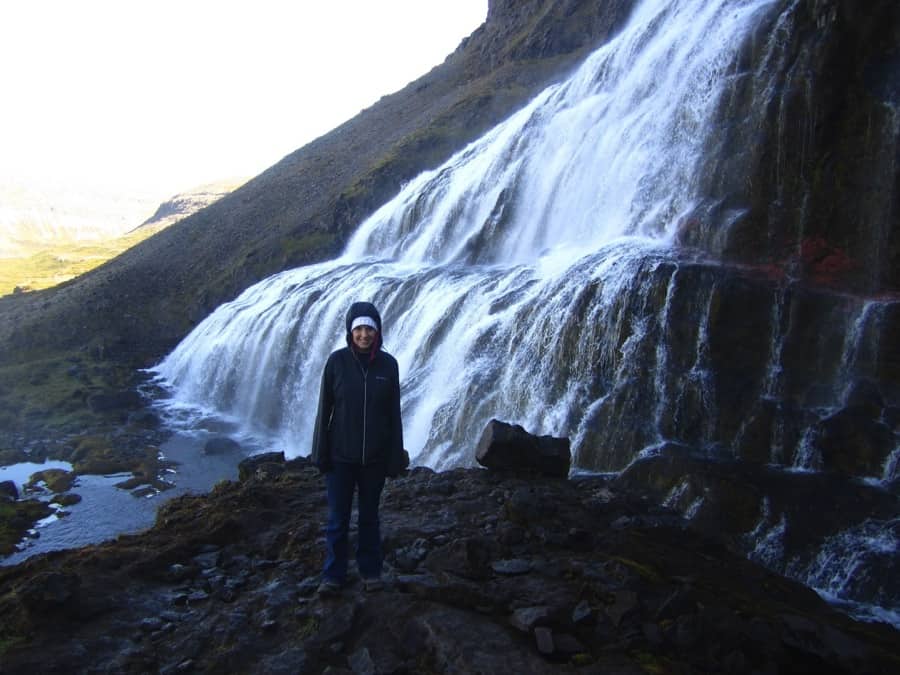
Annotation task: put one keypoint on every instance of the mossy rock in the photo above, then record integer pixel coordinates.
(66, 499)
(16, 518)
(57, 480)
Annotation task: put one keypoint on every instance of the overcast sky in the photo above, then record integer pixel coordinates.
(171, 94)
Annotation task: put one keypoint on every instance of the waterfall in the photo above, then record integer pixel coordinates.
(535, 277)
(501, 274)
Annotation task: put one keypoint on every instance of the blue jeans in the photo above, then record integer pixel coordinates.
(341, 482)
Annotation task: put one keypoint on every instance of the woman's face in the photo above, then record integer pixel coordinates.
(363, 337)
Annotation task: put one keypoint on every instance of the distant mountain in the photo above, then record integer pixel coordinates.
(48, 237)
(34, 214)
(185, 204)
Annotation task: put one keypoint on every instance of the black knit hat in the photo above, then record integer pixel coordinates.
(358, 309)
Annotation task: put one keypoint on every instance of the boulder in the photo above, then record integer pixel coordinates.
(507, 447)
(9, 491)
(221, 445)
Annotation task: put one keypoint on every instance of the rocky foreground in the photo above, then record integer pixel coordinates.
(488, 572)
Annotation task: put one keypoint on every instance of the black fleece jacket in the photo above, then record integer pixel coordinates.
(358, 420)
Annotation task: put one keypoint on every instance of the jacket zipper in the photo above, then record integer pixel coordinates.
(365, 374)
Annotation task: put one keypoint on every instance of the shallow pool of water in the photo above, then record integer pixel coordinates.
(21, 472)
(106, 511)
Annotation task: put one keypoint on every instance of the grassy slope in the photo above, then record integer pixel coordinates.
(47, 264)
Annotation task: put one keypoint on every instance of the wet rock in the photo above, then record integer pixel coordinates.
(506, 447)
(9, 491)
(854, 443)
(407, 558)
(145, 419)
(288, 662)
(512, 567)
(583, 613)
(268, 464)
(468, 557)
(543, 637)
(526, 618)
(221, 445)
(105, 402)
(361, 662)
(567, 645)
(56, 480)
(623, 603)
(66, 500)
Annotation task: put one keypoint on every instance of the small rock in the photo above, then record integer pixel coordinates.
(582, 613)
(145, 419)
(265, 464)
(567, 644)
(625, 601)
(526, 618)
(198, 596)
(151, 624)
(66, 499)
(361, 662)
(512, 567)
(407, 558)
(308, 586)
(544, 638)
(178, 572)
(207, 560)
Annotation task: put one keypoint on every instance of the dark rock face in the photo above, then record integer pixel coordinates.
(808, 155)
(226, 583)
(791, 522)
(507, 447)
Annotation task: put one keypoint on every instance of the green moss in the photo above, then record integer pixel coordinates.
(48, 396)
(294, 247)
(43, 265)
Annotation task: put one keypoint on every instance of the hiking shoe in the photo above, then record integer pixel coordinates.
(328, 587)
(373, 584)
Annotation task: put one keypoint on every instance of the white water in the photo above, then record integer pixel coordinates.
(858, 562)
(480, 266)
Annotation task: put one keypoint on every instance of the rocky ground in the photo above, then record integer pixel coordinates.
(488, 572)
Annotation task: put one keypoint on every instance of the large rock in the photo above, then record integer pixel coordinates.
(507, 447)
(221, 445)
(8, 491)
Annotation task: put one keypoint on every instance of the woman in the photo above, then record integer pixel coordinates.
(358, 441)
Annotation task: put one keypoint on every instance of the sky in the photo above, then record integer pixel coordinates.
(169, 95)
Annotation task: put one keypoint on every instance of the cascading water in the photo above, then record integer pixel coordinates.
(534, 278)
(492, 270)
